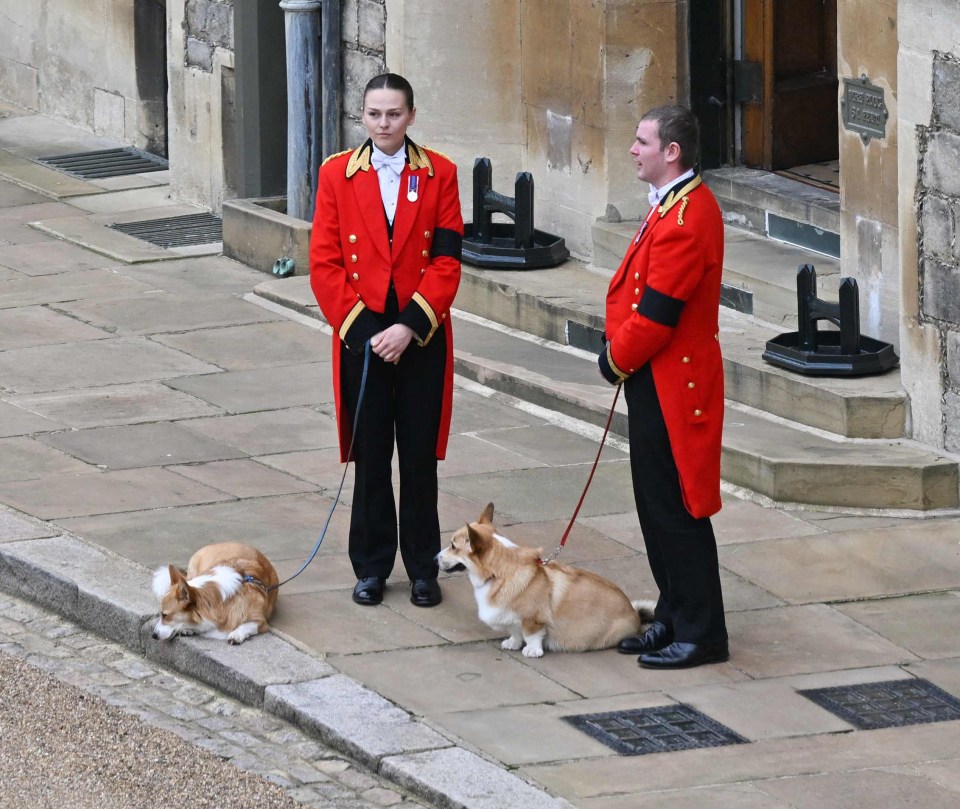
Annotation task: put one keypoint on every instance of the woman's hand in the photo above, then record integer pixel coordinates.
(390, 344)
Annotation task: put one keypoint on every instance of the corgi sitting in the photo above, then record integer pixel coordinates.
(543, 606)
(228, 591)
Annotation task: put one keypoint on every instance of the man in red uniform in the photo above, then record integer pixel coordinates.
(384, 267)
(663, 345)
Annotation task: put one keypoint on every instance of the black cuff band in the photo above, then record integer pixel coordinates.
(660, 308)
(606, 371)
(362, 329)
(446, 242)
(415, 318)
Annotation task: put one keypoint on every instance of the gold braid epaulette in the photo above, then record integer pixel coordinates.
(338, 154)
(683, 207)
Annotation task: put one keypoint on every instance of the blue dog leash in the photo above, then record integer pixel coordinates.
(323, 533)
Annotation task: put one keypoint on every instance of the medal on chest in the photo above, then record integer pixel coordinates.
(413, 188)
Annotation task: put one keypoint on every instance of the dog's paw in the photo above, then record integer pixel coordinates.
(235, 641)
(532, 651)
(512, 644)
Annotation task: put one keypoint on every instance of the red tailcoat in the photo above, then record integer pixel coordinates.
(662, 308)
(352, 260)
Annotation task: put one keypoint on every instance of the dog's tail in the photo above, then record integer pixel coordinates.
(645, 608)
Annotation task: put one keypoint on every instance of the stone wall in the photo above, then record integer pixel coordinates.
(929, 209)
(363, 29)
(867, 46)
(553, 87)
(93, 63)
(939, 204)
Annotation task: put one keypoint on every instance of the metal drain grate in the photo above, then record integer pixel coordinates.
(177, 231)
(105, 163)
(887, 705)
(655, 730)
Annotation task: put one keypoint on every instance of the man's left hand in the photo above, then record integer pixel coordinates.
(390, 344)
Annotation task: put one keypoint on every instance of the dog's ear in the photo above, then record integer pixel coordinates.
(182, 589)
(487, 516)
(476, 540)
(176, 574)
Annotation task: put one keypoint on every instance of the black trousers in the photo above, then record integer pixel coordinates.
(681, 549)
(402, 404)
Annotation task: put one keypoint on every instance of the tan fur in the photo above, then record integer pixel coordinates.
(186, 609)
(576, 609)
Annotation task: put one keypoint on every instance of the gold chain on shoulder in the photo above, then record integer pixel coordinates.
(683, 207)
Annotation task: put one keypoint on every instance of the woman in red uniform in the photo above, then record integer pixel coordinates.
(385, 267)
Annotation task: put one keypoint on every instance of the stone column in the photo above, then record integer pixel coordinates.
(303, 104)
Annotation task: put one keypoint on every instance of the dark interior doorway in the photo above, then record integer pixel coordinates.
(150, 64)
(763, 81)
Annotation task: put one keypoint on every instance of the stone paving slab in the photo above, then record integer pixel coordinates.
(457, 778)
(262, 388)
(197, 276)
(244, 672)
(68, 495)
(260, 345)
(94, 363)
(857, 564)
(48, 289)
(40, 325)
(775, 758)
(284, 527)
(923, 624)
(112, 405)
(266, 433)
(742, 796)
(138, 446)
(244, 478)
(15, 526)
(81, 582)
(51, 258)
(13, 196)
(16, 420)
(797, 640)
(159, 312)
(468, 676)
(29, 459)
(352, 718)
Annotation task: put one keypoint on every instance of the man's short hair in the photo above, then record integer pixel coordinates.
(677, 125)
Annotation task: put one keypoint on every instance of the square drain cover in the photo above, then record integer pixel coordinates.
(885, 705)
(105, 163)
(655, 730)
(177, 231)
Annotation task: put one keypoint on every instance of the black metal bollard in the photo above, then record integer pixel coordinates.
(831, 353)
(516, 245)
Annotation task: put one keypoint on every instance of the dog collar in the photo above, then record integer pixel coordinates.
(255, 582)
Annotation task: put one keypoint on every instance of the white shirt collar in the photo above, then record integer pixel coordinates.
(655, 194)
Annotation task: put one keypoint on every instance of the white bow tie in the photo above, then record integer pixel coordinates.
(652, 197)
(393, 162)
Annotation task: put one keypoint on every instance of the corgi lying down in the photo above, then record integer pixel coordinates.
(543, 606)
(228, 591)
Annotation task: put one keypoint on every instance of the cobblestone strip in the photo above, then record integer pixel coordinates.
(247, 738)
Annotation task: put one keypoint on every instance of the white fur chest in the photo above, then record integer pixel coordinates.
(492, 615)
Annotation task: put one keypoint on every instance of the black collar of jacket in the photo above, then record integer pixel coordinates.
(678, 192)
(417, 157)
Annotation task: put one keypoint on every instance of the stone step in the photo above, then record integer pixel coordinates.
(768, 455)
(565, 305)
(778, 207)
(759, 274)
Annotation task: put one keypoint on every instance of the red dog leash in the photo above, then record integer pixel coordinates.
(586, 488)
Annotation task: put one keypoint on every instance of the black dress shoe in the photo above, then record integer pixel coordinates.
(657, 636)
(680, 655)
(425, 593)
(369, 590)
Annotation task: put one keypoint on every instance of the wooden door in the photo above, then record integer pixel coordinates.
(790, 117)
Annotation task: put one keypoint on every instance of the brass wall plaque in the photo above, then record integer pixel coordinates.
(864, 108)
